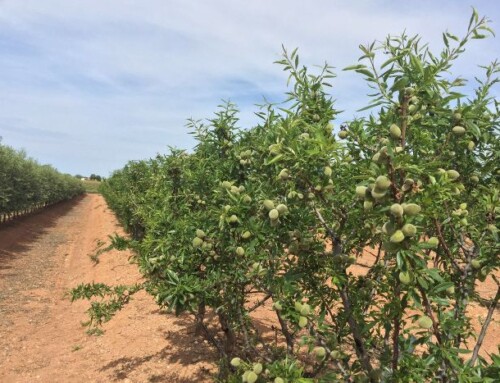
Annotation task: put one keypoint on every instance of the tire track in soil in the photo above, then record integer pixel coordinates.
(42, 256)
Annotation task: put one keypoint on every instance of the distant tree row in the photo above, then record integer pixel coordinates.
(26, 185)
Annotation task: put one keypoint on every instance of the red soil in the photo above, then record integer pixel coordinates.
(44, 255)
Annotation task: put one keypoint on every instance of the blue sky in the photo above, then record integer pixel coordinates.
(88, 85)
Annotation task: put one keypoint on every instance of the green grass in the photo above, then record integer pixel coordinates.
(91, 186)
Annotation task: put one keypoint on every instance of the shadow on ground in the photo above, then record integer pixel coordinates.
(182, 353)
(17, 236)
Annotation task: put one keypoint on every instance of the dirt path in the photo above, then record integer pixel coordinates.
(41, 337)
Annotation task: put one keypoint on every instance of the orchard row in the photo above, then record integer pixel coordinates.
(361, 250)
(25, 185)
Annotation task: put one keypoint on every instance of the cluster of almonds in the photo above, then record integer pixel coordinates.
(200, 241)
(245, 157)
(397, 235)
(274, 212)
(252, 375)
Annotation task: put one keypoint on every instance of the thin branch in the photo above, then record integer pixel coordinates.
(259, 303)
(430, 314)
(487, 322)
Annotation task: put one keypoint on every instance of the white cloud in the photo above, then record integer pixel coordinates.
(116, 80)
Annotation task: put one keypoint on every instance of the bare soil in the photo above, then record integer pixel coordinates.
(44, 255)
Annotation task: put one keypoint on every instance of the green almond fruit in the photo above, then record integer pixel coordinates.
(274, 214)
(378, 194)
(305, 310)
(433, 241)
(274, 148)
(298, 306)
(388, 228)
(409, 230)
(284, 174)
(404, 277)
(226, 184)
(257, 368)
(397, 210)
(457, 212)
(458, 130)
(424, 322)
(382, 183)
(302, 322)
(243, 162)
(343, 134)
(246, 235)
(240, 251)
(471, 145)
(407, 186)
(463, 206)
(235, 362)
(453, 174)
(335, 354)
(376, 157)
(247, 199)
(368, 205)
(409, 182)
(397, 237)
(252, 377)
(412, 209)
(233, 219)
(395, 131)
(268, 204)
(282, 208)
(277, 306)
(278, 380)
(450, 290)
(476, 264)
(457, 116)
(412, 108)
(327, 171)
(319, 351)
(360, 191)
(200, 233)
(409, 91)
(197, 242)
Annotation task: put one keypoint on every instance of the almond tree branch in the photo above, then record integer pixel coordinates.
(487, 322)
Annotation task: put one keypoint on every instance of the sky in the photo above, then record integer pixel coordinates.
(87, 85)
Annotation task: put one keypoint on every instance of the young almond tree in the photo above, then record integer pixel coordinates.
(363, 251)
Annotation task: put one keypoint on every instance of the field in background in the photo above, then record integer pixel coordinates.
(91, 186)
